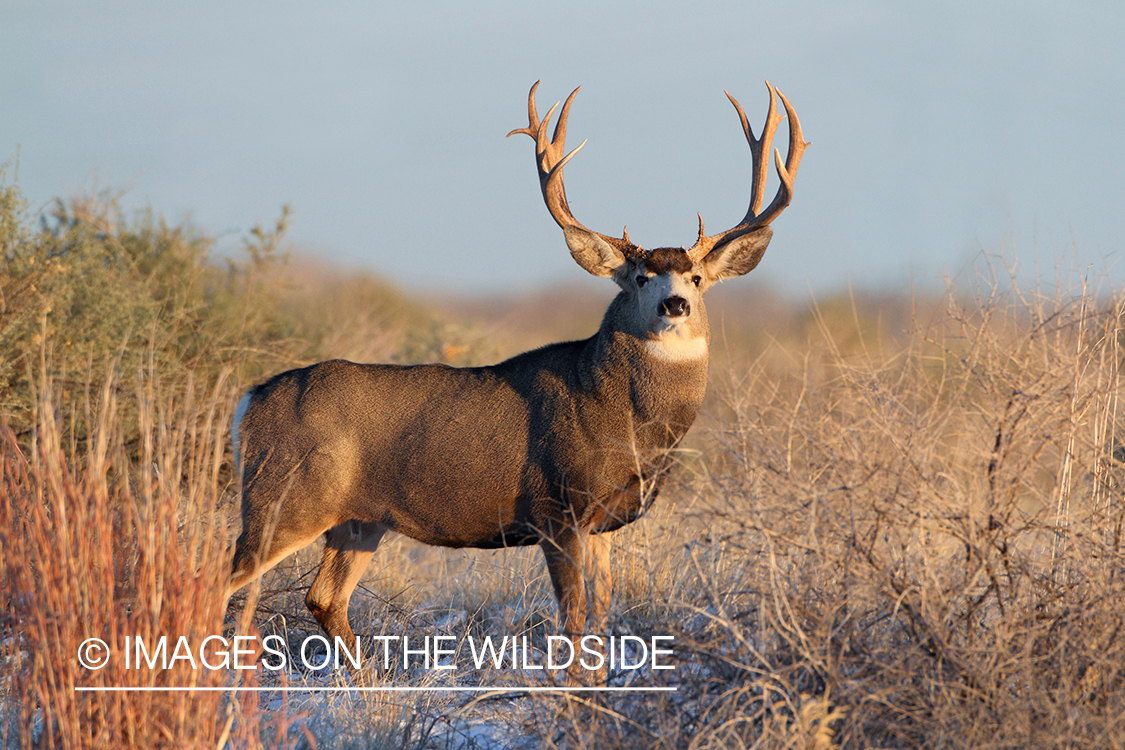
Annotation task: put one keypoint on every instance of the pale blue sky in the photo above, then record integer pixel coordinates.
(937, 129)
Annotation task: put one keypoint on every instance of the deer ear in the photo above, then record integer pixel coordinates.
(592, 252)
(739, 256)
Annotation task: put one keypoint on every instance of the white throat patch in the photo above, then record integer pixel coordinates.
(677, 349)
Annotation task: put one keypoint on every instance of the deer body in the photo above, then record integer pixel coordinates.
(549, 437)
(552, 447)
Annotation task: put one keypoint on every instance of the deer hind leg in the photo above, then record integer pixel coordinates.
(277, 496)
(348, 548)
(262, 545)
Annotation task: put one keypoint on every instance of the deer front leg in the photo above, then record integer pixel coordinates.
(599, 591)
(563, 552)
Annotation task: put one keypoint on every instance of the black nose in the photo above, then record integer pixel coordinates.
(674, 307)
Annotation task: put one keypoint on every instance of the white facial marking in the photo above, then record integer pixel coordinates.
(668, 338)
(660, 287)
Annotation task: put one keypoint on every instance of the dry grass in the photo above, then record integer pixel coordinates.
(888, 530)
(96, 544)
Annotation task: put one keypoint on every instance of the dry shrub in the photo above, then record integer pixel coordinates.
(95, 544)
(922, 542)
(89, 282)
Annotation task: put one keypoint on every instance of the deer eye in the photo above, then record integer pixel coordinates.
(697, 280)
(641, 281)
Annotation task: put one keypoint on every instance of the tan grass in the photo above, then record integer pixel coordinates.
(95, 544)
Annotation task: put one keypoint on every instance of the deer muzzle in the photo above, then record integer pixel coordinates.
(674, 307)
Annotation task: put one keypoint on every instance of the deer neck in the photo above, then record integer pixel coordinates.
(662, 376)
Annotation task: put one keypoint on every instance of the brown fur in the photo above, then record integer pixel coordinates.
(668, 260)
(540, 449)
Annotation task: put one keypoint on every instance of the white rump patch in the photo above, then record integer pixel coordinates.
(676, 349)
(236, 429)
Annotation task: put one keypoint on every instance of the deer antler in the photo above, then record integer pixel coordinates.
(550, 161)
(759, 152)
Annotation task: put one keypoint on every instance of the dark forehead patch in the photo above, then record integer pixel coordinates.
(668, 260)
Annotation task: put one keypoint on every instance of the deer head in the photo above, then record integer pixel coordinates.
(666, 285)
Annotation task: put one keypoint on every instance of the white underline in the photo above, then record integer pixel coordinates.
(391, 689)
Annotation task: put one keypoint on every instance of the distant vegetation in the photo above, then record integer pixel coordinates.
(898, 523)
(86, 289)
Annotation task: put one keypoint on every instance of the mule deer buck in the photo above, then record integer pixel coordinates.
(553, 447)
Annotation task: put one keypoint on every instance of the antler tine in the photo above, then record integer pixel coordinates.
(550, 160)
(759, 152)
(758, 148)
(545, 149)
(532, 116)
(788, 173)
(560, 126)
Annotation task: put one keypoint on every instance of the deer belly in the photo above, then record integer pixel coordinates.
(462, 532)
(475, 514)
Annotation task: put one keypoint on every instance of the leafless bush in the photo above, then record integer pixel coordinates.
(920, 546)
